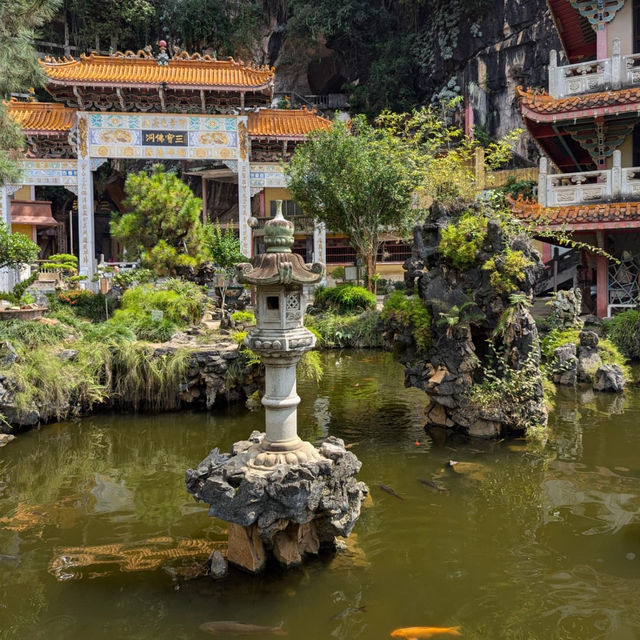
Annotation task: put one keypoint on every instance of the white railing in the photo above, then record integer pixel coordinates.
(562, 189)
(598, 75)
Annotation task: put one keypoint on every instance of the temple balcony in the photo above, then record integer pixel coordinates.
(617, 184)
(615, 72)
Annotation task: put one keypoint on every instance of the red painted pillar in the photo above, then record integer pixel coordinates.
(546, 252)
(602, 291)
(262, 203)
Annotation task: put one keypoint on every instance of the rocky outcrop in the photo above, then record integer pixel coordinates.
(566, 308)
(216, 374)
(583, 362)
(289, 510)
(609, 377)
(470, 309)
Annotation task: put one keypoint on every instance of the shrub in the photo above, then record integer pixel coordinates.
(409, 311)
(19, 293)
(181, 303)
(87, 304)
(338, 273)
(622, 330)
(558, 338)
(358, 331)
(345, 298)
(461, 241)
(130, 277)
(243, 317)
(65, 262)
(507, 270)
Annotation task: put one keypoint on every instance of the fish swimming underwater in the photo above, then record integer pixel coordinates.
(390, 491)
(229, 627)
(415, 633)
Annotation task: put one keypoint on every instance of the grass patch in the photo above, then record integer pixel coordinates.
(622, 330)
(335, 331)
(344, 298)
(409, 311)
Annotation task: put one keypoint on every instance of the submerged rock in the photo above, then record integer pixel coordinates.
(609, 377)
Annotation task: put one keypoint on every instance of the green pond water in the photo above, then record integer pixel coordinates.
(525, 544)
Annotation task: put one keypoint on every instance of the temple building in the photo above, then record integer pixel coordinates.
(586, 125)
(212, 118)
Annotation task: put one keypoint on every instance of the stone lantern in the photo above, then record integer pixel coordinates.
(280, 338)
(280, 495)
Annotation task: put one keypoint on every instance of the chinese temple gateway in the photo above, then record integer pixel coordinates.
(212, 116)
(587, 127)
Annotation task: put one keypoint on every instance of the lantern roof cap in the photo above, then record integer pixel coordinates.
(279, 265)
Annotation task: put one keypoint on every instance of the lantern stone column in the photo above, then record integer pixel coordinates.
(281, 495)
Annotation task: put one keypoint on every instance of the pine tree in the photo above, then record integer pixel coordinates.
(19, 70)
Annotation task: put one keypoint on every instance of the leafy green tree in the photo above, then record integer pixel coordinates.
(19, 70)
(357, 180)
(444, 154)
(223, 247)
(15, 248)
(162, 226)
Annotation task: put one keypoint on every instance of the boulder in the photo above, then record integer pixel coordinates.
(289, 509)
(609, 377)
(588, 355)
(218, 565)
(565, 365)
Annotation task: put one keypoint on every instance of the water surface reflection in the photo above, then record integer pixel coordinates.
(525, 544)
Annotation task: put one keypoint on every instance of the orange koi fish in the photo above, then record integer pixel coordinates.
(415, 633)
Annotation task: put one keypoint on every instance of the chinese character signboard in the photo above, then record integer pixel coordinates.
(163, 136)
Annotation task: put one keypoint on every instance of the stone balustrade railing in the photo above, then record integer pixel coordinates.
(562, 189)
(597, 75)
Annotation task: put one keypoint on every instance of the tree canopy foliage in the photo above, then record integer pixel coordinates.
(16, 248)
(356, 179)
(19, 70)
(360, 178)
(162, 226)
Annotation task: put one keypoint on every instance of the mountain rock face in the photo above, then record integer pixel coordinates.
(482, 50)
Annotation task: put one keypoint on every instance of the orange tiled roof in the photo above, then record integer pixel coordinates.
(582, 214)
(41, 117)
(285, 123)
(123, 69)
(543, 103)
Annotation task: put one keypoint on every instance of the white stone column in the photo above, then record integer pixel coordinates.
(6, 275)
(320, 244)
(281, 402)
(542, 182)
(86, 236)
(616, 65)
(244, 187)
(554, 89)
(616, 174)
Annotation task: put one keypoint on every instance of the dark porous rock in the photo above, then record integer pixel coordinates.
(218, 566)
(588, 354)
(468, 310)
(67, 354)
(8, 354)
(609, 377)
(292, 509)
(589, 339)
(565, 365)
